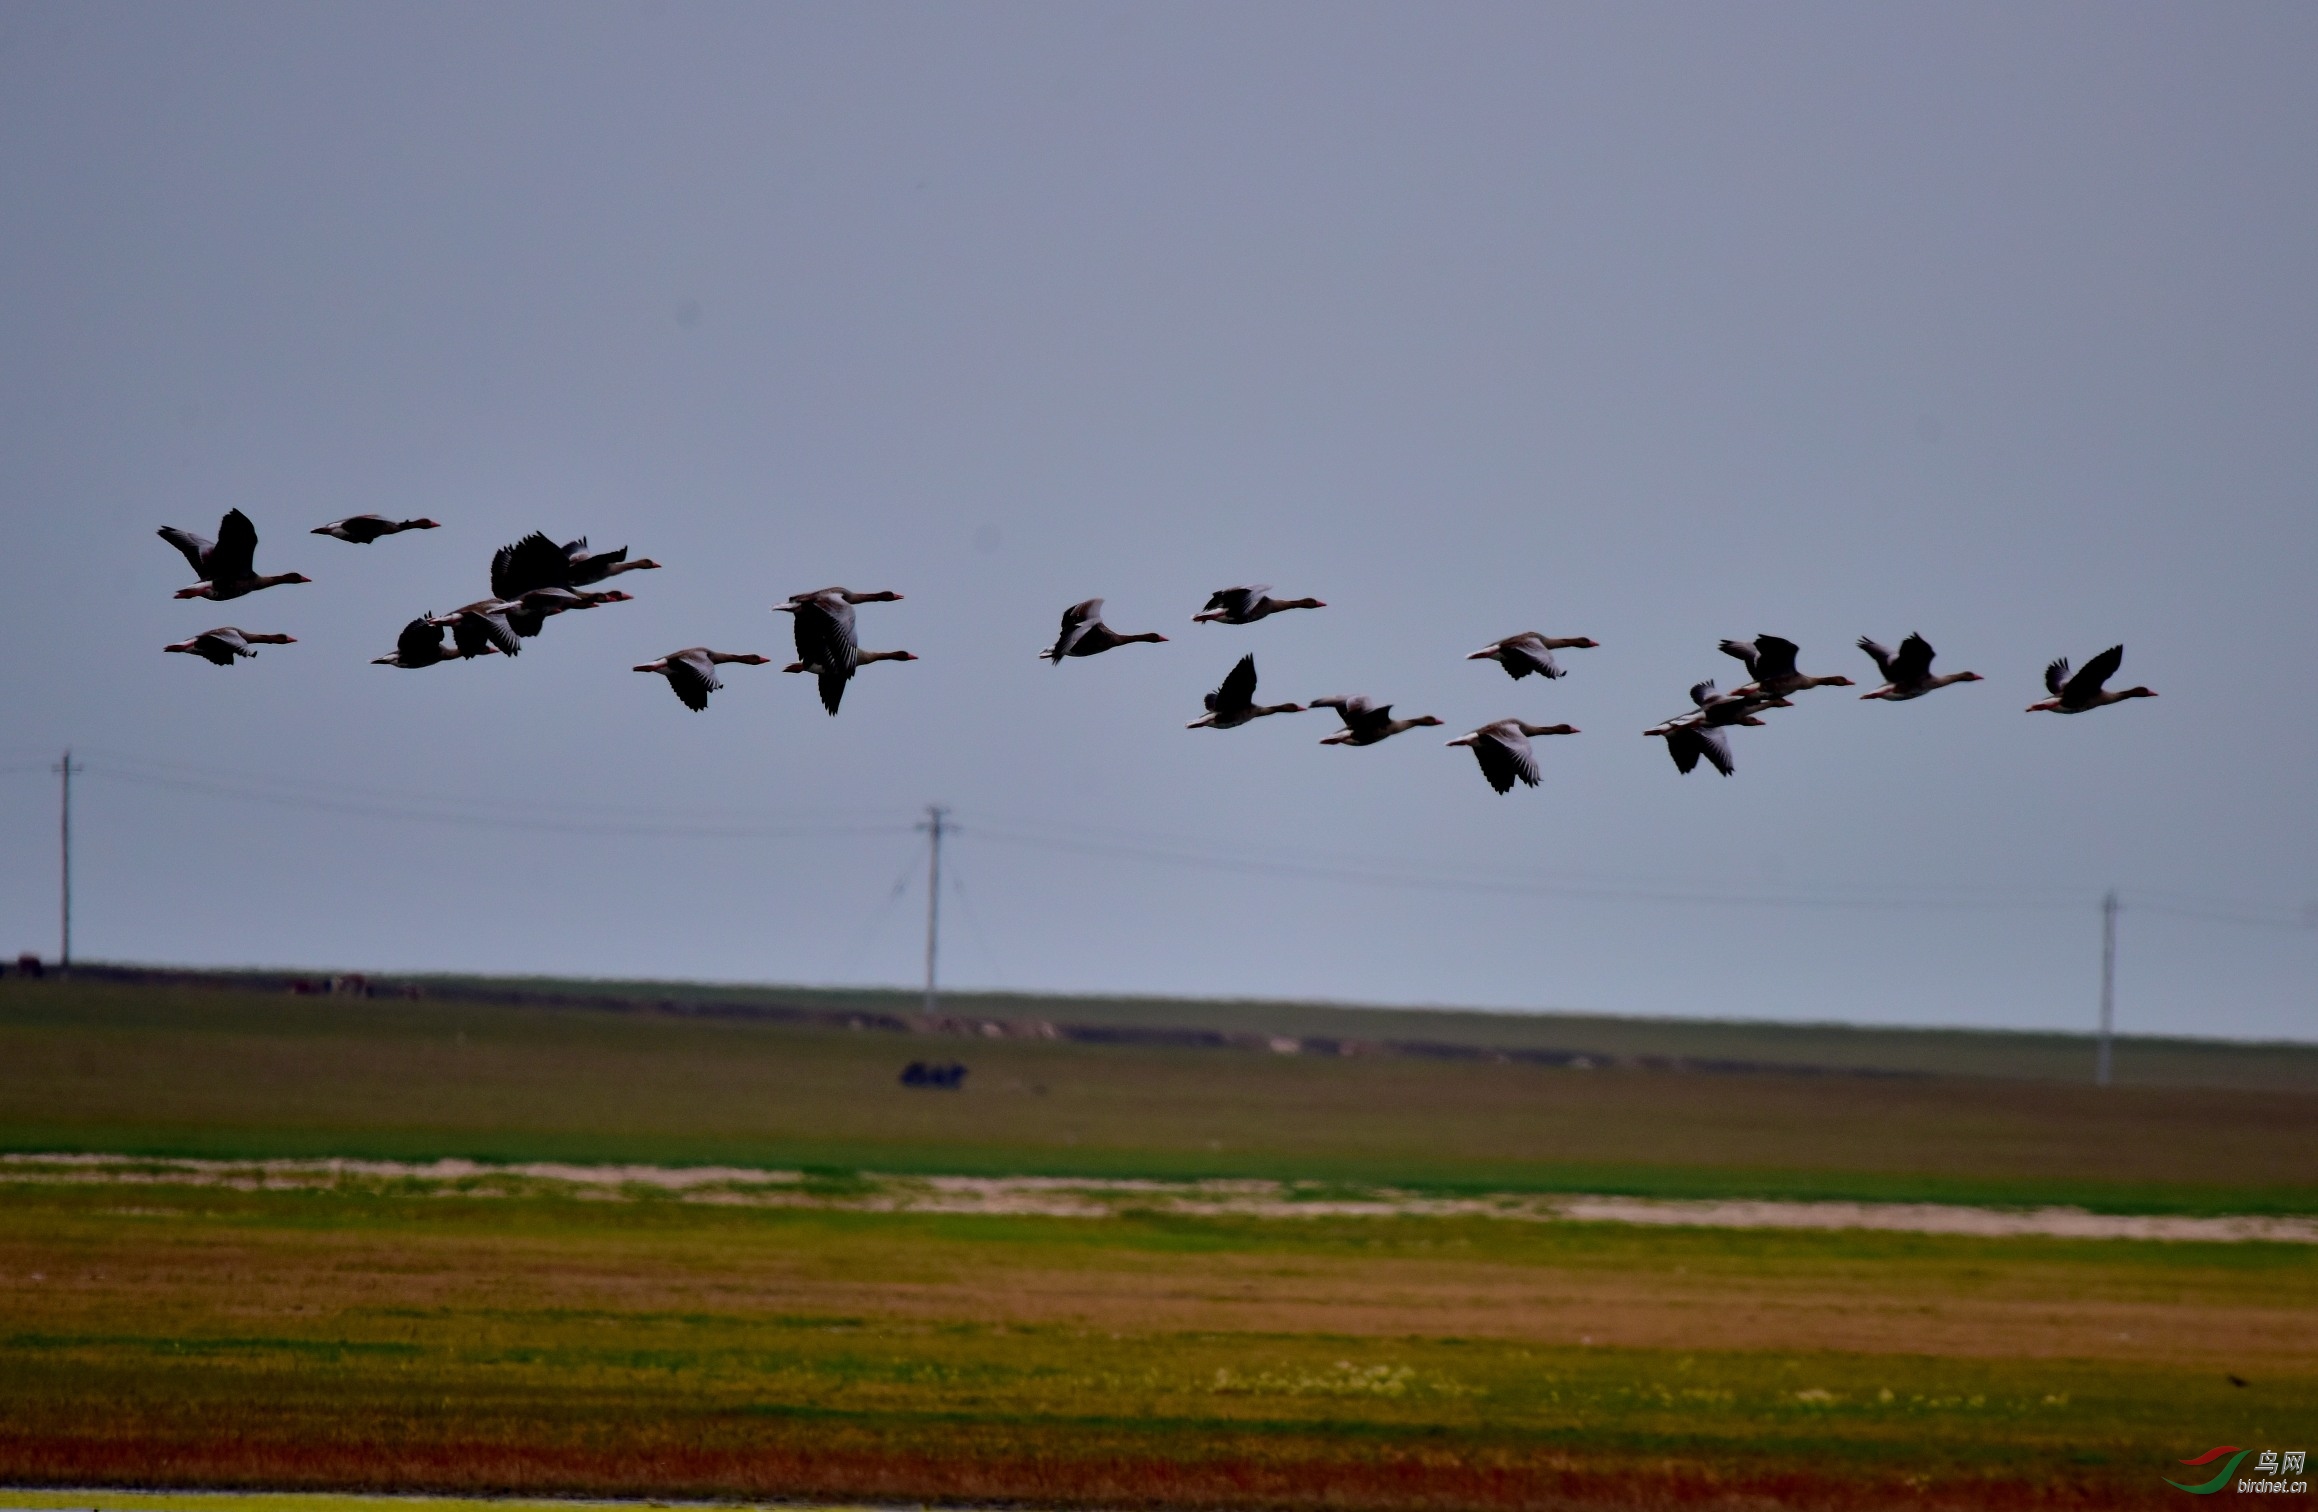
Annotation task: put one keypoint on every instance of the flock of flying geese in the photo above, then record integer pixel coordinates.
(535, 579)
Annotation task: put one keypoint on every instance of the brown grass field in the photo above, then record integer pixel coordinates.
(382, 1334)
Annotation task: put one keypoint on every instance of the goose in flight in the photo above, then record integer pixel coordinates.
(1085, 634)
(1503, 751)
(1690, 741)
(420, 645)
(529, 614)
(1698, 736)
(692, 671)
(1908, 674)
(594, 566)
(1770, 661)
(1365, 723)
(860, 659)
(824, 634)
(1713, 710)
(1530, 652)
(480, 628)
(227, 565)
(535, 562)
(1233, 703)
(362, 529)
(220, 647)
(1244, 606)
(2075, 695)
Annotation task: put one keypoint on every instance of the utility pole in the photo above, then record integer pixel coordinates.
(2108, 986)
(935, 816)
(64, 770)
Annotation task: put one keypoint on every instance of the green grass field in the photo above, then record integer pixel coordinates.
(374, 1335)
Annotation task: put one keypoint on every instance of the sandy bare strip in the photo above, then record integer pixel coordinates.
(1078, 1197)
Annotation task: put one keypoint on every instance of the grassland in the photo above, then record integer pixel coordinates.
(372, 1339)
(374, 1335)
(184, 1071)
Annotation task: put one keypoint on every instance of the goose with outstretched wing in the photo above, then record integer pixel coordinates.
(1233, 703)
(2084, 691)
(1503, 750)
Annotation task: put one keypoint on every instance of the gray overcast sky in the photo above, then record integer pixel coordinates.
(1653, 323)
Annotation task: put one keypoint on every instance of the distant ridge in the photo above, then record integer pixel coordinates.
(1568, 1040)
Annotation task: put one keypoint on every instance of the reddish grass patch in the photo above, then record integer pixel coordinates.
(1221, 1475)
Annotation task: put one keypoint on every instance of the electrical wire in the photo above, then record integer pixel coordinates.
(974, 924)
(632, 821)
(1372, 874)
(336, 789)
(873, 929)
(515, 814)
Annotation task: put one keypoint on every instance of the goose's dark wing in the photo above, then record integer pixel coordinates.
(824, 634)
(1236, 600)
(498, 632)
(693, 677)
(1702, 693)
(1715, 747)
(421, 640)
(220, 646)
(2056, 675)
(825, 641)
(1505, 759)
(476, 629)
(1076, 621)
(1774, 657)
(235, 555)
(1524, 654)
(1238, 689)
(2093, 673)
(1914, 662)
(196, 548)
(533, 562)
(1689, 744)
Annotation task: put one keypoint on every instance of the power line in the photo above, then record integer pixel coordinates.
(243, 781)
(616, 821)
(884, 911)
(481, 812)
(974, 923)
(1376, 874)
